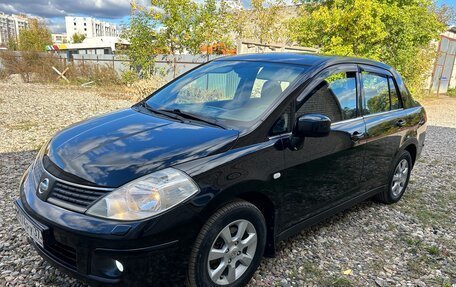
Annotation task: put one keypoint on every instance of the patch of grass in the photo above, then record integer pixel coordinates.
(309, 268)
(339, 282)
(428, 216)
(452, 92)
(415, 265)
(433, 250)
(22, 126)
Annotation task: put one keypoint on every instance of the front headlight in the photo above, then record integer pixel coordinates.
(146, 196)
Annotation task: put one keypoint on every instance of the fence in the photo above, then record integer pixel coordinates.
(168, 66)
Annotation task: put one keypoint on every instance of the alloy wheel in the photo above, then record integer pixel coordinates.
(232, 252)
(400, 178)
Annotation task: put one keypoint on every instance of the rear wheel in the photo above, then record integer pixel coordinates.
(398, 179)
(229, 247)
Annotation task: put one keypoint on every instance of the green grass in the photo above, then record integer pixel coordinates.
(433, 250)
(452, 92)
(339, 282)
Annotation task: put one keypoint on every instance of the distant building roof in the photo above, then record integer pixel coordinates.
(91, 43)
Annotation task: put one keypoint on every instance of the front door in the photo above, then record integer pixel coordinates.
(326, 171)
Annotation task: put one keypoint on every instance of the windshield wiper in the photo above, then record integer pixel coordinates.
(163, 112)
(193, 117)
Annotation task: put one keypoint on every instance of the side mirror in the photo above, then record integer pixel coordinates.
(312, 125)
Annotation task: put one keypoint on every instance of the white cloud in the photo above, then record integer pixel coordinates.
(113, 9)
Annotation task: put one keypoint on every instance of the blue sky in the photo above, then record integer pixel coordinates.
(116, 11)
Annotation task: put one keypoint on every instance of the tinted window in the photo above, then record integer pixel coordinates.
(376, 93)
(233, 92)
(394, 95)
(334, 97)
(283, 123)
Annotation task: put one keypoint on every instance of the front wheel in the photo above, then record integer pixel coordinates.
(398, 179)
(229, 247)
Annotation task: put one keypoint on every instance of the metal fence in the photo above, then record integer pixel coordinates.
(167, 66)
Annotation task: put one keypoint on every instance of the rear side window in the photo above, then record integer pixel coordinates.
(334, 97)
(394, 95)
(376, 93)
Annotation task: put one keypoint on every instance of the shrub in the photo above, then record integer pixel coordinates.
(102, 74)
(32, 66)
(143, 88)
(452, 92)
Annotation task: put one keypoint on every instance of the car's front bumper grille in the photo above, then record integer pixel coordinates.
(81, 197)
(69, 195)
(63, 253)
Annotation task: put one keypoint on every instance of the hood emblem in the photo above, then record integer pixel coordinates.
(44, 186)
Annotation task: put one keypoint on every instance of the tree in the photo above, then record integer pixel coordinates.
(78, 38)
(144, 44)
(35, 38)
(176, 19)
(392, 31)
(264, 21)
(211, 25)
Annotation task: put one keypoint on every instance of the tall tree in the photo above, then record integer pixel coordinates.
(176, 19)
(264, 21)
(142, 34)
(211, 25)
(35, 38)
(392, 31)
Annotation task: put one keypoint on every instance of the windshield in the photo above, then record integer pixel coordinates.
(234, 93)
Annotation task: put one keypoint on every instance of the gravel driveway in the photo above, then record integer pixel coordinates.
(412, 243)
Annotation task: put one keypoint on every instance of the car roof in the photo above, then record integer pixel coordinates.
(305, 59)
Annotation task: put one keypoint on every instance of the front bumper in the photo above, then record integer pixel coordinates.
(152, 252)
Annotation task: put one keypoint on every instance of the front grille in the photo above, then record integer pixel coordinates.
(69, 195)
(63, 253)
(75, 197)
(79, 196)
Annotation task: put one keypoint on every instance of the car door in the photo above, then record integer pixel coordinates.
(325, 171)
(385, 123)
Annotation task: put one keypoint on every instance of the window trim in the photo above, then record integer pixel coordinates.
(325, 73)
(399, 98)
(383, 73)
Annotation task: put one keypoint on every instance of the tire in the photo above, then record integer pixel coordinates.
(394, 192)
(243, 254)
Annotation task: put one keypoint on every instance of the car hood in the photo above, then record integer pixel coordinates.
(116, 148)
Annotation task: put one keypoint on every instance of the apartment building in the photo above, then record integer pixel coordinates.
(59, 38)
(10, 25)
(90, 27)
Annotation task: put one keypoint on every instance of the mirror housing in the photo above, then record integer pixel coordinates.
(312, 125)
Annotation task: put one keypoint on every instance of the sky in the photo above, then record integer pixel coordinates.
(54, 11)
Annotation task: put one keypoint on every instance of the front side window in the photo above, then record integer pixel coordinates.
(234, 92)
(376, 93)
(334, 97)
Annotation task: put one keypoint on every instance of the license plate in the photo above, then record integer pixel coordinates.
(30, 228)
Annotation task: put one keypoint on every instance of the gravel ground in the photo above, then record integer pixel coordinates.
(411, 243)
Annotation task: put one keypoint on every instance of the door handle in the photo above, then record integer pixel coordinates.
(400, 123)
(356, 136)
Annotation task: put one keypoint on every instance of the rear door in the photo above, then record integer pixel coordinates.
(385, 122)
(325, 171)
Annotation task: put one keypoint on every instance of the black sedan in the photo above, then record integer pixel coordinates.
(194, 184)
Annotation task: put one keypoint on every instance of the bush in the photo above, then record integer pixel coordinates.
(129, 77)
(102, 74)
(32, 66)
(143, 88)
(452, 92)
